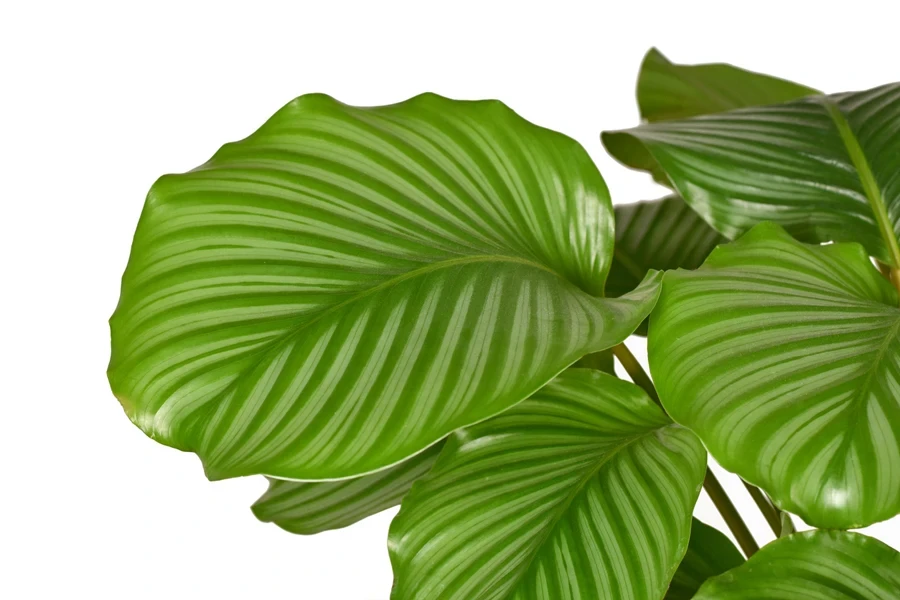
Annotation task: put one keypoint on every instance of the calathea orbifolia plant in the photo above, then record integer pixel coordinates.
(421, 302)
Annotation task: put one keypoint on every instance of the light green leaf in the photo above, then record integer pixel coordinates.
(785, 359)
(585, 490)
(657, 235)
(709, 553)
(346, 286)
(824, 167)
(312, 507)
(814, 565)
(670, 91)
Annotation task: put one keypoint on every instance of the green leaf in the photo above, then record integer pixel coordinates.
(346, 286)
(823, 167)
(657, 235)
(814, 565)
(785, 359)
(585, 490)
(602, 361)
(312, 507)
(709, 553)
(670, 91)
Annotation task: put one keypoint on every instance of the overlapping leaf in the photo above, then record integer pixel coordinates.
(668, 91)
(785, 359)
(585, 490)
(824, 167)
(814, 565)
(659, 235)
(311, 507)
(346, 286)
(709, 553)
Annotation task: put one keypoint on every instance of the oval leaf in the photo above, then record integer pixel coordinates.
(813, 565)
(346, 286)
(784, 358)
(666, 90)
(585, 490)
(311, 507)
(659, 235)
(709, 553)
(823, 167)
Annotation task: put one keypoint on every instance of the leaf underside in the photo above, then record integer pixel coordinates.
(785, 359)
(585, 490)
(813, 565)
(346, 286)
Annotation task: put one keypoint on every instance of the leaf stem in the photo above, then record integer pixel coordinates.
(870, 187)
(769, 510)
(730, 514)
(635, 370)
(712, 486)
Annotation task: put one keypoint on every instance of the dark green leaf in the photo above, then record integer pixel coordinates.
(657, 235)
(346, 286)
(669, 91)
(709, 553)
(814, 565)
(585, 490)
(311, 507)
(824, 167)
(785, 359)
(602, 361)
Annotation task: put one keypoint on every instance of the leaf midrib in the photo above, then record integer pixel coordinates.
(866, 177)
(278, 341)
(566, 504)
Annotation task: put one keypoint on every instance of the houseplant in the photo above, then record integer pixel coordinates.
(423, 302)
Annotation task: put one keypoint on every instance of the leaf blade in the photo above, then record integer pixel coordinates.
(813, 564)
(511, 496)
(780, 356)
(709, 553)
(287, 306)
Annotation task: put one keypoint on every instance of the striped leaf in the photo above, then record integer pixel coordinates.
(346, 286)
(709, 553)
(585, 490)
(785, 359)
(315, 506)
(824, 167)
(814, 565)
(657, 235)
(666, 91)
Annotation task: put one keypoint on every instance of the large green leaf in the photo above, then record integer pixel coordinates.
(311, 507)
(585, 490)
(824, 167)
(346, 286)
(671, 91)
(814, 565)
(709, 553)
(657, 235)
(785, 359)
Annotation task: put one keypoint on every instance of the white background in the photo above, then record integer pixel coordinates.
(97, 100)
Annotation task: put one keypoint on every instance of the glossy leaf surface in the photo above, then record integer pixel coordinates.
(785, 359)
(824, 167)
(659, 235)
(311, 507)
(709, 553)
(346, 286)
(585, 490)
(813, 565)
(666, 91)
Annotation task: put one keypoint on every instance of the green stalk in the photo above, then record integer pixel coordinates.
(870, 187)
(769, 510)
(730, 514)
(712, 486)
